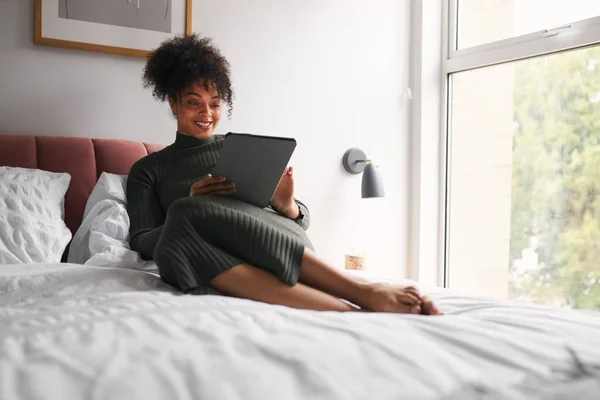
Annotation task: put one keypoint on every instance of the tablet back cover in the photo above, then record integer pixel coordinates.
(255, 163)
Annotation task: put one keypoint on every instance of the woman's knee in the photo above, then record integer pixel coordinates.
(190, 207)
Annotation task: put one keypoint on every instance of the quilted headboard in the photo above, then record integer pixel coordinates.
(85, 159)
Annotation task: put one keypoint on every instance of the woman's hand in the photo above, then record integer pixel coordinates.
(283, 198)
(212, 186)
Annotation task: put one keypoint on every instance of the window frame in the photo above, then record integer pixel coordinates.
(425, 214)
(553, 39)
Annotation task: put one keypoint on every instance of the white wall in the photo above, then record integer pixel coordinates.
(331, 73)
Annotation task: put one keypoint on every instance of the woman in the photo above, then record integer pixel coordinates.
(202, 239)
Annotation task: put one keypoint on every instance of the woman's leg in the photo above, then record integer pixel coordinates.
(318, 274)
(321, 290)
(203, 238)
(246, 281)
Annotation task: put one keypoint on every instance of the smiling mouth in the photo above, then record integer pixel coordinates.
(203, 125)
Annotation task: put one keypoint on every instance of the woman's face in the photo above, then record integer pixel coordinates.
(198, 110)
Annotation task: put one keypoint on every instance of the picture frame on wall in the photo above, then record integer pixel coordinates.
(127, 27)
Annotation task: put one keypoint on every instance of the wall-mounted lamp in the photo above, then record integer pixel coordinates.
(355, 161)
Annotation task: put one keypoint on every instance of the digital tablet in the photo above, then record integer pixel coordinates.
(255, 164)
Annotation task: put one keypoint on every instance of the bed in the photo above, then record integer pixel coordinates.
(70, 331)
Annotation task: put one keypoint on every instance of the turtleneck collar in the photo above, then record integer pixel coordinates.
(187, 142)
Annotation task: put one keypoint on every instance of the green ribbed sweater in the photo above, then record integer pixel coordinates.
(158, 180)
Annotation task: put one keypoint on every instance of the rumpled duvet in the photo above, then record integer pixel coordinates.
(70, 331)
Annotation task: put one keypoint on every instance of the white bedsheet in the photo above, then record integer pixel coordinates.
(72, 332)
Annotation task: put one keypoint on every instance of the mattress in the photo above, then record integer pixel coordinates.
(70, 331)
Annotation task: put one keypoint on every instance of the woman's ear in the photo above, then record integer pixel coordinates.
(173, 105)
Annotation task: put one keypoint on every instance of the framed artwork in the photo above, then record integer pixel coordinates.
(129, 27)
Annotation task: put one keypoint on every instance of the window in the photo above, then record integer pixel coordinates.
(523, 153)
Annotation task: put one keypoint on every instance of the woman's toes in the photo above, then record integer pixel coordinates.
(429, 307)
(387, 298)
(408, 298)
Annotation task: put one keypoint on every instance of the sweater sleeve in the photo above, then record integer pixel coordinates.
(145, 212)
(304, 219)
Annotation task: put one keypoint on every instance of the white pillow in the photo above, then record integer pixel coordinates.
(108, 187)
(32, 229)
(103, 237)
(109, 239)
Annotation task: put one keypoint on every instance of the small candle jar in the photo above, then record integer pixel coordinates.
(356, 261)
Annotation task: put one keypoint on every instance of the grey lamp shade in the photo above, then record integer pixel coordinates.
(372, 184)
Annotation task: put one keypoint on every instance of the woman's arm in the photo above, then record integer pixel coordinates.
(145, 212)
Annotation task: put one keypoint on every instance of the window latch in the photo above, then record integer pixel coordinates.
(557, 30)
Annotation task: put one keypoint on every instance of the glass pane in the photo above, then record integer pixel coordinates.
(524, 159)
(485, 21)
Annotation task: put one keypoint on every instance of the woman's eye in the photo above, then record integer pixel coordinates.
(192, 103)
(215, 105)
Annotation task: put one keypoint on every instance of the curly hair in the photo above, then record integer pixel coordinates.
(182, 60)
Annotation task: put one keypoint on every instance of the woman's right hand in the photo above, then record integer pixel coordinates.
(212, 186)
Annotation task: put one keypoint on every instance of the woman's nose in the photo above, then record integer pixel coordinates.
(203, 109)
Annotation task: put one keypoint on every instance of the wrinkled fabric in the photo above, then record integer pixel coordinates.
(73, 331)
(32, 227)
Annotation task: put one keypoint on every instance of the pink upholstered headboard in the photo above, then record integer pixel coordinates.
(85, 159)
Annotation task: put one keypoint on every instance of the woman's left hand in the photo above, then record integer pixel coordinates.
(283, 198)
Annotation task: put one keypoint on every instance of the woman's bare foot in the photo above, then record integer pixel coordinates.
(382, 297)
